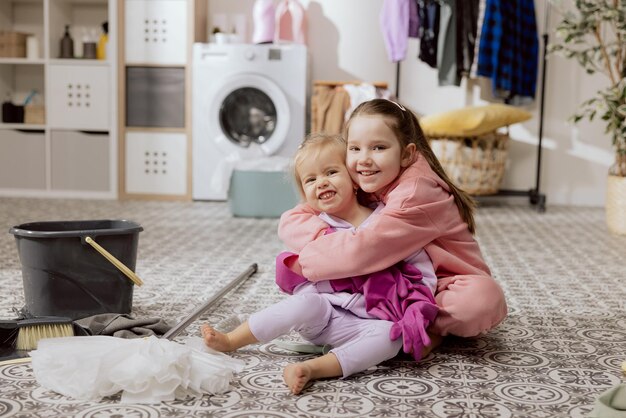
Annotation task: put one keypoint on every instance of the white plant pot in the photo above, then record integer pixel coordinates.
(616, 205)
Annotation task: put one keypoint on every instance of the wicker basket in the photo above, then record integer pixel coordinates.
(475, 164)
(616, 205)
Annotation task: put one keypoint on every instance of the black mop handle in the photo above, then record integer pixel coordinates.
(178, 328)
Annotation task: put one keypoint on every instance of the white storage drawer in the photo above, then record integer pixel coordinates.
(78, 97)
(156, 31)
(80, 161)
(22, 159)
(156, 163)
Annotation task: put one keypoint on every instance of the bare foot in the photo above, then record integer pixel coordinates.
(215, 339)
(296, 376)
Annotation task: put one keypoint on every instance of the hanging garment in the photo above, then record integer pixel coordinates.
(331, 105)
(394, 24)
(446, 45)
(479, 26)
(328, 107)
(414, 22)
(359, 93)
(509, 48)
(290, 22)
(466, 27)
(428, 12)
(263, 17)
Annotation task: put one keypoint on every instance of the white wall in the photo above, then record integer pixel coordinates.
(345, 42)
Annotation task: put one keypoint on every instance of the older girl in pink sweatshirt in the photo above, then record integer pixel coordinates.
(390, 159)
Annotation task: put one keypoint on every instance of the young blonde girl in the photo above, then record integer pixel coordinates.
(390, 159)
(324, 316)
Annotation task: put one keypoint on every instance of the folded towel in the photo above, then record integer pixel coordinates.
(611, 404)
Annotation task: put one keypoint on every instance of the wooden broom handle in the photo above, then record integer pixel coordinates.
(117, 263)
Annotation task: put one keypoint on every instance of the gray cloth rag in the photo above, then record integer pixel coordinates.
(123, 326)
(611, 404)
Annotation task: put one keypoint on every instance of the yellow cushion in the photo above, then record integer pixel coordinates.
(472, 121)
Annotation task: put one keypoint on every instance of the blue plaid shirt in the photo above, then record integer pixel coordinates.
(508, 50)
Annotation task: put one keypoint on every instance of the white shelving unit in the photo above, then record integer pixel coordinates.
(74, 153)
(154, 102)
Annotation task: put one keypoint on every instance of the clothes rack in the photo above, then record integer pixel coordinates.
(534, 194)
(330, 83)
(398, 80)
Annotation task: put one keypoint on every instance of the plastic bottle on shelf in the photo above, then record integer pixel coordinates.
(32, 48)
(90, 47)
(67, 44)
(79, 34)
(101, 51)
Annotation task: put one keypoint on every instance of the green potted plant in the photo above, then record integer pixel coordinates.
(593, 33)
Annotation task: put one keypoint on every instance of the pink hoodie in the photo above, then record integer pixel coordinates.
(420, 213)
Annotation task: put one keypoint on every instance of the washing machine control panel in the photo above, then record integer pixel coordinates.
(249, 54)
(273, 54)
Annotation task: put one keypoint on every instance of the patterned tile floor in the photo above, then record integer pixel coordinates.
(560, 347)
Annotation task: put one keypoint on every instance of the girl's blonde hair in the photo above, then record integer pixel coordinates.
(311, 147)
(407, 130)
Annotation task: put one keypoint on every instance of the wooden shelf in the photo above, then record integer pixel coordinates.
(22, 126)
(79, 61)
(22, 61)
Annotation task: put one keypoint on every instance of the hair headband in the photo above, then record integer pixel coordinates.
(402, 108)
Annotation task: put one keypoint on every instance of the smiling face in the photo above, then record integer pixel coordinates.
(325, 181)
(375, 157)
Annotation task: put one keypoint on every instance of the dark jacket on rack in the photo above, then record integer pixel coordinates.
(466, 28)
(428, 15)
(508, 52)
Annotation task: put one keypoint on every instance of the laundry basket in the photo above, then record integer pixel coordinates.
(65, 276)
(262, 188)
(475, 164)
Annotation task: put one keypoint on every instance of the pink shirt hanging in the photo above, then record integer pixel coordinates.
(290, 22)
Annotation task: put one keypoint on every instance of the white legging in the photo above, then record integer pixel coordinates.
(358, 343)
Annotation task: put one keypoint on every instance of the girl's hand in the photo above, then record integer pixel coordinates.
(443, 283)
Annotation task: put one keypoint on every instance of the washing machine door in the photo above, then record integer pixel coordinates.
(252, 112)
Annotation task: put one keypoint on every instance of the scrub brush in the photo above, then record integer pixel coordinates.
(30, 331)
(24, 334)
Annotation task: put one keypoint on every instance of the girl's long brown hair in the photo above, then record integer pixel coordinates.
(407, 129)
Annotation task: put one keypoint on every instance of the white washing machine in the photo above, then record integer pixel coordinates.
(248, 102)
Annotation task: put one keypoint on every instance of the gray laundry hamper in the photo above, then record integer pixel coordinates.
(263, 188)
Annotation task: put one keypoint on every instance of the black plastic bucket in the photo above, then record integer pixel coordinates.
(64, 276)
